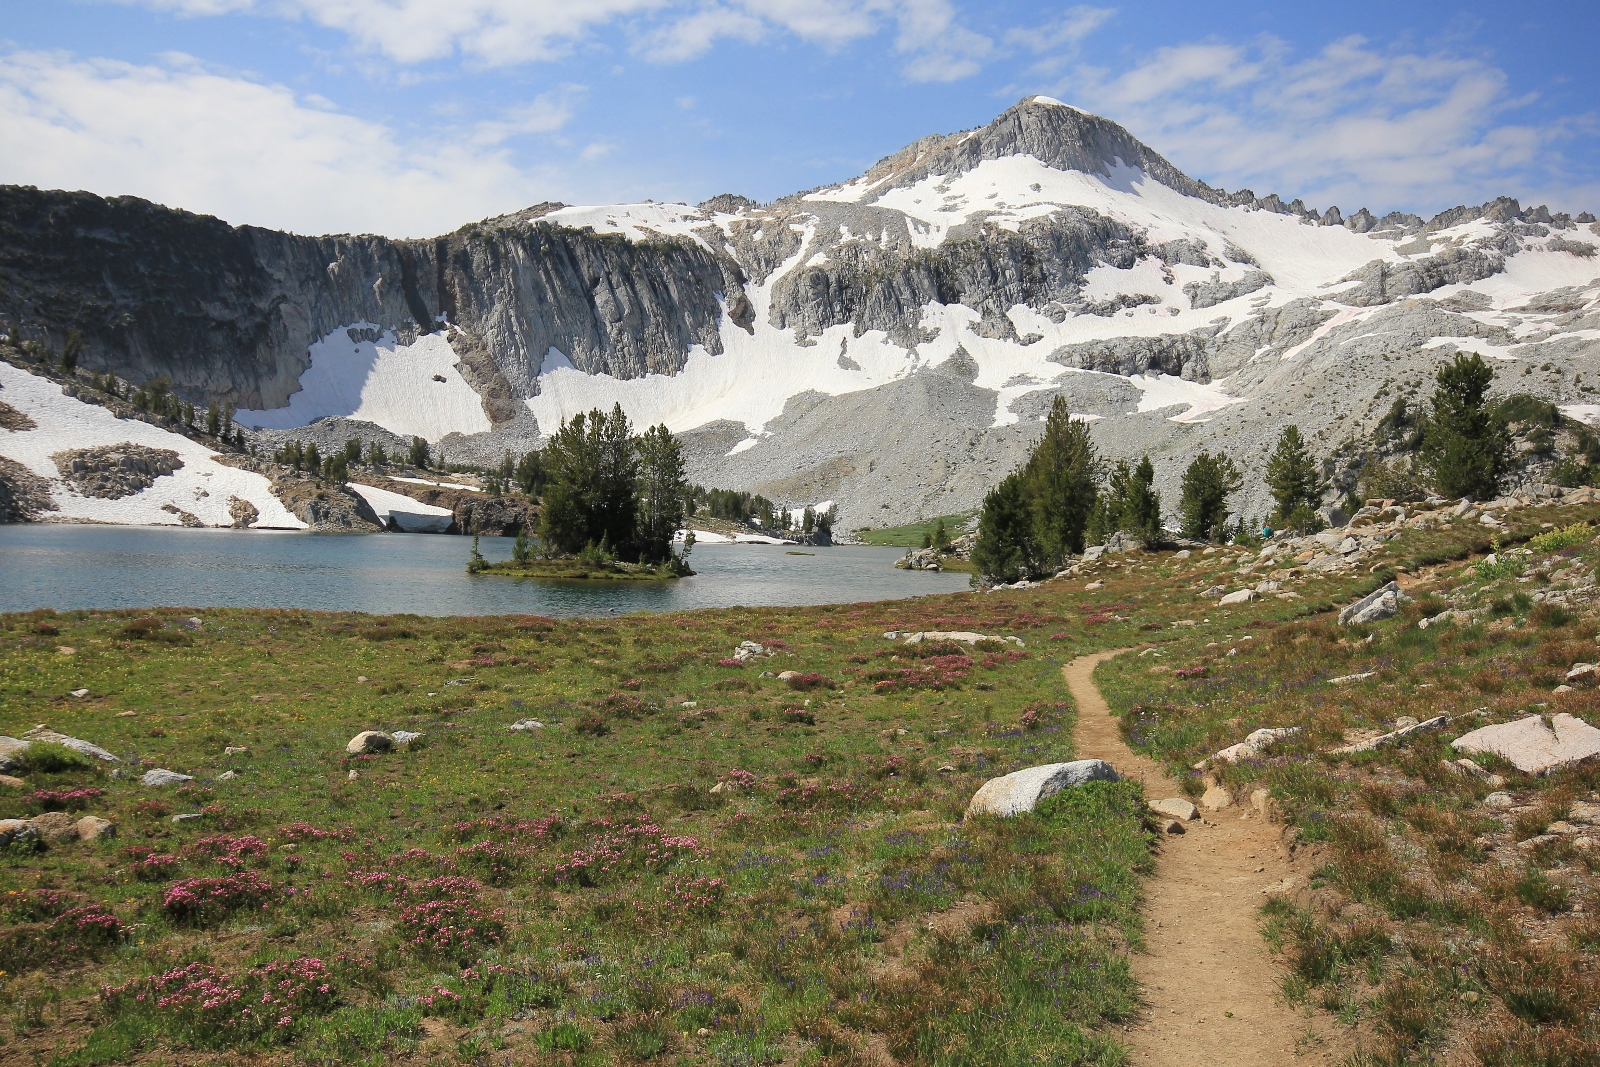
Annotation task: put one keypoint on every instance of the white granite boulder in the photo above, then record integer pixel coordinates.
(1254, 744)
(1382, 603)
(162, 776)
(1535, 746)
(1239, 596)
(17, 830)
(1175, 808)
(1021, 791)
(368, 742)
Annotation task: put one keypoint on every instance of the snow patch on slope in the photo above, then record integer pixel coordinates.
(383, 382)
(202, 487)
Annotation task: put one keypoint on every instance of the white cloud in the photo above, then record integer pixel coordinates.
(507, 32)
(1354, 124)
(545, 113)
(1064, 32)
(247, 152)
(598, 150)
(693, 36)
(495, 32)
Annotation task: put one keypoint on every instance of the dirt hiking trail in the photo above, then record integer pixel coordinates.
(1210, 994)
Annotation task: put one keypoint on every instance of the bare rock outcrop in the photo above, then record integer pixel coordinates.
(115, 471)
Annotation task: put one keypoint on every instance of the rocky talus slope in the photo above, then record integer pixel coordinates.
(888, 343)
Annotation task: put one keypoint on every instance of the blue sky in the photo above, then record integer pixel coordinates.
(412, 117)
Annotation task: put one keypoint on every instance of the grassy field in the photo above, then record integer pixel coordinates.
(691, 862)
(688, 862)
(910, 536)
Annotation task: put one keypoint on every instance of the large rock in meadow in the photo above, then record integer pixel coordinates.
(159, 776)
(16, 830)
(1021, 791)
(93, 828)
(1382, 603)
(1535, 746)
(56, 827)
(368, 742)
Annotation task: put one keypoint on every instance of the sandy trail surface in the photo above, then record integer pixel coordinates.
(1210, 992)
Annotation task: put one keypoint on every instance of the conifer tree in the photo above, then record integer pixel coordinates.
(1465, 446)
(1061, 483)
(1296, 484)
(1006, 549)
(419, 453)
(311, 459)
(662, 488)
(1206, 487)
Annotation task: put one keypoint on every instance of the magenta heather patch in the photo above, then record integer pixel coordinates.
(203, 900)
(208, 1006)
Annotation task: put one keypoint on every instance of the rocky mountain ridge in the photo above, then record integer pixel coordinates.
(887, 343)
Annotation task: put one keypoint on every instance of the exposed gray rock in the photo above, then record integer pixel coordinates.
(1382, 603)
(1534, 745)
(1021, 791)
(115, 471)
(48, 736)
(19, 831)
(94, 828)
(23, 494)
(160, 776)
(1175, 808)
(1213, 292)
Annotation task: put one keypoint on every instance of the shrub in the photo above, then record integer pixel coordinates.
(204, 1006)
(57, 928)
(592, 723)
(47, 757)
(810, 681)
(203, 900)
(1566, 537)
(63, 799)
(150, 628)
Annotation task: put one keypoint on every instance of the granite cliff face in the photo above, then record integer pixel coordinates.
(887, 344)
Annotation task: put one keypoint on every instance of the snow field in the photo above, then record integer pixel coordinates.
(383, 382)
(412, 516)
(202, 487)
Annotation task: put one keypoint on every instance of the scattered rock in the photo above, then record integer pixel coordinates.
(1346, 679)
(1252, 746)
(12, 747)
(242, 512)
(1534, 746)
(1021, 791)
(352, 776)
(1437, 620)
(1216, 797)
(1238, 596)
(368, 742)
(1584, 812)
(162, 776)
(227, 776)
(55, 827)
(1382, 603)
(12, 783)
(725, 789)
(1092, 586)
(527, 724)
(1438, 722)
(1499, 801)
(405, 737)
(112, 472)
(94, 828)
(961, 636)
(1472, 770)
(191, 623)
(1215, 591)
(190, 816)
(79, 693)
(1175, 808)
(1267, 806)
(1584, 674)
(17, 830)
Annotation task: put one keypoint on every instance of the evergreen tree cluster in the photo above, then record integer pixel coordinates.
(609, 493)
